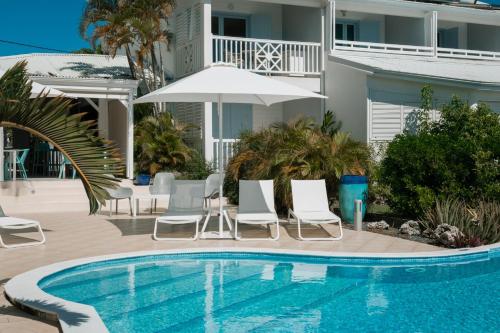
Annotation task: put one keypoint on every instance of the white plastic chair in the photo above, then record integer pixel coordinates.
(212, 192)
(161, 186)
(14, 223)
(185, 206)
(310, 205)
(256, 206)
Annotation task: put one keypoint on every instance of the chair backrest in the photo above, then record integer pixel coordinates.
(187, 196)
(256, 196)
(212, 184)
(24, 154)
(162, 183)
(309, 196)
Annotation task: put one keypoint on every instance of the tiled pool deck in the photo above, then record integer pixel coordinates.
(72, 235)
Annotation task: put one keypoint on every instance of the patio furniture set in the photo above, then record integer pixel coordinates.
(189, 202)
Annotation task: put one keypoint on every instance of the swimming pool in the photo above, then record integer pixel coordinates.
(251, 292)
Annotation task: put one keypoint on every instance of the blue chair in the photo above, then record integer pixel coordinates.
(20, 167)
(62, 168)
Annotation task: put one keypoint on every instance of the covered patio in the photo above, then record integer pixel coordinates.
(101, 87)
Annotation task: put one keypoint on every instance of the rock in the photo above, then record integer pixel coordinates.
(447, 235)
(429, 233)
(410, 228)
(381, 225)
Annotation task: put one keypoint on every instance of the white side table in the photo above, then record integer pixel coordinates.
(146, 196)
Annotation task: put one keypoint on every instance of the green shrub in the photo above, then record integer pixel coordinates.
(457, 156)
(480, 224)
(159, 145)
(196, 168)
(296, 150)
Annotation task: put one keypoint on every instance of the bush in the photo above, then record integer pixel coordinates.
(457, 156)
(159, 145)
(296, 150)
(479, 224)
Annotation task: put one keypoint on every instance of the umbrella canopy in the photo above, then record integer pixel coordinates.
(235, 85)
(223, 83)
(37, 88)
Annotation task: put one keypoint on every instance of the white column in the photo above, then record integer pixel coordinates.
(330, 22)
(206, 25)
(431, 31)
(323, 64)
(1, 154)
(103, 120)
(130, 137)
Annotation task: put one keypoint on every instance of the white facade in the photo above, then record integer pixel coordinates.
(301, 41)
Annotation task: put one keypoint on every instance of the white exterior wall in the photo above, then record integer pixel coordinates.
(366, 20)
(265, 19)
(308, 108)
(302, 24)
(117, 130)
(264, 116)
(462, 31)
(347, 97)
(405, 30)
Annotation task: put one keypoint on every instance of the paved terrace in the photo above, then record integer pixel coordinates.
(71, 233)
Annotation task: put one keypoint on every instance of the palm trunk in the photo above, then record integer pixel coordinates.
(131, 64)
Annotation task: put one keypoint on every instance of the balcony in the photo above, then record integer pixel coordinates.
(274, 57)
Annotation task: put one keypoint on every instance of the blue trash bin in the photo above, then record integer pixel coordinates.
(352, 188)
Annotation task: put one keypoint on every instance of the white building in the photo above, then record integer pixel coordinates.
(100, 84)
(370, 57)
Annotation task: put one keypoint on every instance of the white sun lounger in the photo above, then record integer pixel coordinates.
(185, 206)
(14, 223)
(310, 205)
(256, 206)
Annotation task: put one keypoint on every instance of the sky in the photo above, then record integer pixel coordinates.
(45, 23)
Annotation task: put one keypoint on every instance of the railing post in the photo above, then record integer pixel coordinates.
(322, 68)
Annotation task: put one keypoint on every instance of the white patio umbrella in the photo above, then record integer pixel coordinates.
(224, 83)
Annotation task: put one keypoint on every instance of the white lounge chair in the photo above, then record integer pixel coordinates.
(14, 223)
(185, 206)
(256, 206)
(310, 205)
(212, 192)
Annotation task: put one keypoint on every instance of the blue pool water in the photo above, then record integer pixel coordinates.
(283, 293)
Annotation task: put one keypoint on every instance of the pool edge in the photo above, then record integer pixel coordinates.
(23, 290)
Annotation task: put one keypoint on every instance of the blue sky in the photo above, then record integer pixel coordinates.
(47, 23)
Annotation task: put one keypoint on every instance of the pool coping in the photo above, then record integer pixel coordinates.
(23, 290)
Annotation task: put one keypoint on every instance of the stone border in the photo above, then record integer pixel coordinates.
(23, 290)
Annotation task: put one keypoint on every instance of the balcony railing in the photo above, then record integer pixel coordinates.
(268, 56)
(383, 48)
(467, 54)
(228, 148)
(415, 50)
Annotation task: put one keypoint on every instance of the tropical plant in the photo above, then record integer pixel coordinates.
(159, 145)
(49, 119)
(136, 26)
(295, 150)
(457, 156)
(479, 223)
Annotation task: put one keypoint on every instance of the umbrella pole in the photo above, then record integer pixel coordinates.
(221, 168)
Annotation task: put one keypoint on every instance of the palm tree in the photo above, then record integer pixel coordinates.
(137, 26)
(159, 144)
(49, 119)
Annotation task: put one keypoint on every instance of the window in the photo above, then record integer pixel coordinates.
(231, 26)
(347, 31)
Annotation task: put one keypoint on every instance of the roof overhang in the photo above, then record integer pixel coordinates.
(413, 71)
(90, 88)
